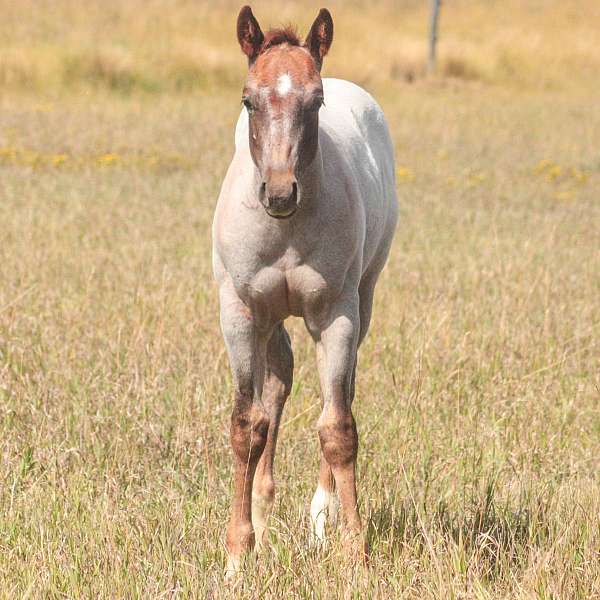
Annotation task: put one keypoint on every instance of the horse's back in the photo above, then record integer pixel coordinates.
(355, 123)
(355, 114)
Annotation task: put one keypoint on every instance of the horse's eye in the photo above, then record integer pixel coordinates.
(246, 102)
(317, 103)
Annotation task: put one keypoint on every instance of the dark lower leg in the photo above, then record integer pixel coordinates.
(249, 426)
(339, 443)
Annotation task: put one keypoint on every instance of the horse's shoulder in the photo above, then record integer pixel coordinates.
(241, 130)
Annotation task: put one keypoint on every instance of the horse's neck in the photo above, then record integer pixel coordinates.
(311, 179)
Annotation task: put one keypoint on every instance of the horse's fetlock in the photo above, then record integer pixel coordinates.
(240, 538)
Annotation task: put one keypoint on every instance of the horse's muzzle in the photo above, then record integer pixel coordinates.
(280, 203)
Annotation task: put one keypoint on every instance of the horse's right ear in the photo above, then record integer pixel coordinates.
(249, 34)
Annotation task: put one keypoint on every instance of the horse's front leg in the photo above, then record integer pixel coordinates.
(246, 345)
(338, 341)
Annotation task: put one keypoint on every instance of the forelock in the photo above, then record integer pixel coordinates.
(282, 35)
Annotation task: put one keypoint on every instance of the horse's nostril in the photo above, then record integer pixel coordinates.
(279, 195)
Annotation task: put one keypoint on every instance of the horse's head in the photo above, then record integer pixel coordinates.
(283, 94)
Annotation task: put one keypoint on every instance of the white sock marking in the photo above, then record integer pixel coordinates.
(323, 506)
(232, 568)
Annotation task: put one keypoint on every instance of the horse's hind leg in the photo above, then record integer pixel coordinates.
(324, 506)
(366, 291)
(276, 389)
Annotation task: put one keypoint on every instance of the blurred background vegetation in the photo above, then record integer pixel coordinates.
(149, 46)
(478, 386)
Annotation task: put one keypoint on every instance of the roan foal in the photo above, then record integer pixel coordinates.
(303, 227)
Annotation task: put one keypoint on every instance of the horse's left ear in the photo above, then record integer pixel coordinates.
(320, 36)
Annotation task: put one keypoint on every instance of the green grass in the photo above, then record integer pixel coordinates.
(478, 395)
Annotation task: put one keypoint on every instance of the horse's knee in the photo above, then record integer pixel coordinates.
(338, 436)
(249, 429)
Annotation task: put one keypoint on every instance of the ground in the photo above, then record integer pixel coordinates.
(478, 395)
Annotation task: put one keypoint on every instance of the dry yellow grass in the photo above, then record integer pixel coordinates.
(182, 45)
(478, 398)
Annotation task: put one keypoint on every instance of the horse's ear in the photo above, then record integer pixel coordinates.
(249, 34)
(320, 36)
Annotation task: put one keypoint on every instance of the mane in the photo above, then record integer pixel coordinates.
(280, 35)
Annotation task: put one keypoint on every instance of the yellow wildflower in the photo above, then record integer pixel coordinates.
(405, 174)
(108, 159)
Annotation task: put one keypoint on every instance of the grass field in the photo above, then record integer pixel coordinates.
(478, 396)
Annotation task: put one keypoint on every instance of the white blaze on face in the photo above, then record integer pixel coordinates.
(284, 84)
(276, 147)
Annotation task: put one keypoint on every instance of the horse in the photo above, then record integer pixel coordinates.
(303, 227)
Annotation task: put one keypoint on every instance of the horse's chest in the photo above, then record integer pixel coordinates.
(277, 292)
(309, 291)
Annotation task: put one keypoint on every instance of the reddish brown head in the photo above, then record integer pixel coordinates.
(283, 94)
